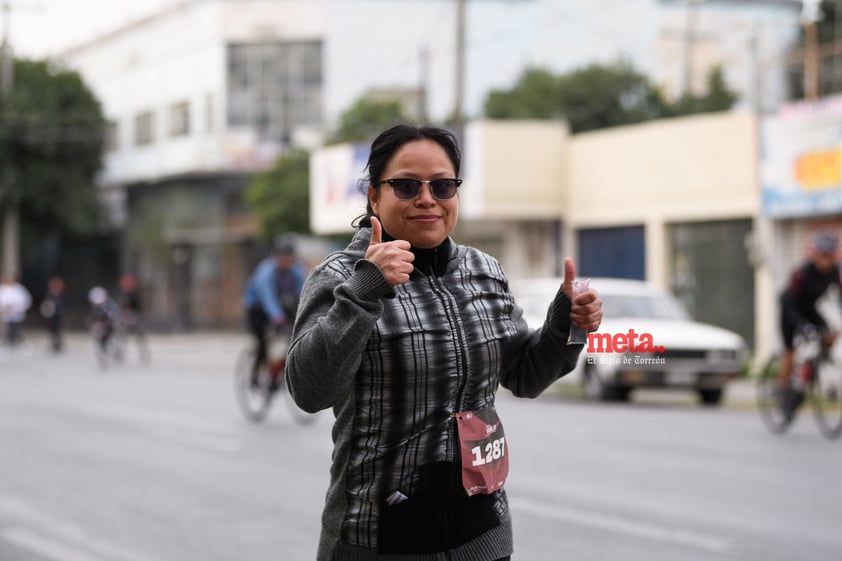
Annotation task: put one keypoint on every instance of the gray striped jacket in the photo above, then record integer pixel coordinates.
(396, 363)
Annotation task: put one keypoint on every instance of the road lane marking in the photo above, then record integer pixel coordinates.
(61, 550)
(622, 526)
(44, 547)
(58, 539)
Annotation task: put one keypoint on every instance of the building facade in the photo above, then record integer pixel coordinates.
(204, 94)
(198, 98)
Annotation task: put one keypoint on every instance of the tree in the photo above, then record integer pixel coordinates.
(280, 196)
(717, 98)
(535, 96)
(365, 119)
(52, 134)
(599, 96)
(589, 98)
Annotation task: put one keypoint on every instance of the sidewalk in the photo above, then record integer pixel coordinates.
(741, 393)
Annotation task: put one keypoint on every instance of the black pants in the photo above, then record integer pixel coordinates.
(258, 322)
(55, 328)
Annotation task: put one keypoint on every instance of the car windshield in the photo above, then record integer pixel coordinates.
(660, 306)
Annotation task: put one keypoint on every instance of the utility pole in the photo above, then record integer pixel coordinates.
(688, 36)
(689, 45)
(11, 244)
(424, 78)
(809, 16)
(458, 116)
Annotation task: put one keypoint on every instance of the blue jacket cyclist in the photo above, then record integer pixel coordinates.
(271, 296)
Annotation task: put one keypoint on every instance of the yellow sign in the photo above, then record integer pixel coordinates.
(820, 169)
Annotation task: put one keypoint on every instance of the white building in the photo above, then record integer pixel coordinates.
(197, 98)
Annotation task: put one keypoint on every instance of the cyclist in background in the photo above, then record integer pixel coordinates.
(105, 313)
(271, 296)
(806, 286)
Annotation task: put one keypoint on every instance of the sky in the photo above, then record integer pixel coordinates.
(38, 28)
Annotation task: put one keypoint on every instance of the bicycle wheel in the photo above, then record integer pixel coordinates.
(298, 415)
(769, 399)
(253, 396)
(826, 397)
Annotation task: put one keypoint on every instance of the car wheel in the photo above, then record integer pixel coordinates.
(593, 385)
(711, 396)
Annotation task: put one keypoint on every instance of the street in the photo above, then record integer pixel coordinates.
(156, 463)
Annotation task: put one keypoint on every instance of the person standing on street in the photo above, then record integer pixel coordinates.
(271, 296)
(15, 300)
(131, 314)
(52, 308)
(407, 335)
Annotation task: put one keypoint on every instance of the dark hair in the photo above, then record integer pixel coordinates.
(388, 142)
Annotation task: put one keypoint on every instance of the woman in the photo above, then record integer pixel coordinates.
(407, 335)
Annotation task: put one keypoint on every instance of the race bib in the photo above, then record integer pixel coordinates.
(485, 458)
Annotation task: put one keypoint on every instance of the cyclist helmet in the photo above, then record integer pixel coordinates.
(97, 296)
(284, 244)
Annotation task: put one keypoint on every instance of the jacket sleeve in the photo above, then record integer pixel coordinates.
(537, 358)
(335, 317)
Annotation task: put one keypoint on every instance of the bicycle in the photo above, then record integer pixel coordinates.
(816, 379)
(108, 344)
(255, 392)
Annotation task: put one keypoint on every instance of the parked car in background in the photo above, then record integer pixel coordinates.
(647, 340)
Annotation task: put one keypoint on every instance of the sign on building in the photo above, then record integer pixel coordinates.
(801, 160)
(337, 195)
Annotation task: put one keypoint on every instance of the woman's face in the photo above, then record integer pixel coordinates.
(424, 221)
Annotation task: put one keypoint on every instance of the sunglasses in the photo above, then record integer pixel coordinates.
(407, 189)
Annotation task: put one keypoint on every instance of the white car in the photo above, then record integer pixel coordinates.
(647, 339)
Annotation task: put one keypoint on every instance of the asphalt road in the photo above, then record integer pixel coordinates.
(155, 463)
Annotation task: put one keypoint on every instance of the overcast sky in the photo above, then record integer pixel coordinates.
(41, 27)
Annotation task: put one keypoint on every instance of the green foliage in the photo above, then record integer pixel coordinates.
(280, 196)
(536, 96)
(51, 139)
(717, 98)
(365, 119)
(597, 96)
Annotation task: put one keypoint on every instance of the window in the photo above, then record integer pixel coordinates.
(144, 128)
(112, 136)
(180, 119)
(275, 87)
(209, 113)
